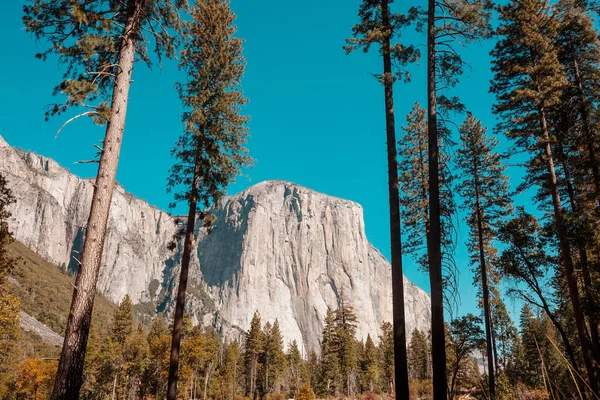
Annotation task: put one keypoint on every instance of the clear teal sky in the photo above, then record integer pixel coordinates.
(317, 114)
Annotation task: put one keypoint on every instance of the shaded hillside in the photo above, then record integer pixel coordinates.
(45, 294)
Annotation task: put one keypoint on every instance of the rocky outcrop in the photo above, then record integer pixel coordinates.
(278, 248)
(30, 324)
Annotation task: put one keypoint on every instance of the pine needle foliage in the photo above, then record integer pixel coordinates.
(413, 173)
(215, 131)
(85, 38)
(373, 31)
(210, 153)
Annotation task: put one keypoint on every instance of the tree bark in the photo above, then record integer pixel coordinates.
(400, 356)
(183, 278)
(69, 376)
(589, 356)
(484, 286)
(434, 236)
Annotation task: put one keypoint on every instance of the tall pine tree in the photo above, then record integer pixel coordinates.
(484, 189)
(528, 83)
(449, 22)
(97, 43)
(211, 152)
(379, 26)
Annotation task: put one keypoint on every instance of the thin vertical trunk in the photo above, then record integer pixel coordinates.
(587, 134)
(484, 286)
(114, 390)
(565, 248)
(581, 248)
(234, 379)
(434, 236)
(69, 376)
(400, 365)
(183, 278)
(207, 379)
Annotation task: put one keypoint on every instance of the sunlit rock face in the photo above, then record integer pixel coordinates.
(277, 248)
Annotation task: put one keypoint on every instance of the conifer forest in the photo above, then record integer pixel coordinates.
(533, 331)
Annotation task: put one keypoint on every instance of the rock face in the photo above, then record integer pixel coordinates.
(277, 248)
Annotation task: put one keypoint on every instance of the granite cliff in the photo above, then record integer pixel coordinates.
(279, 248)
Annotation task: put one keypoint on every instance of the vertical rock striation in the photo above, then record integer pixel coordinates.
(279, 248)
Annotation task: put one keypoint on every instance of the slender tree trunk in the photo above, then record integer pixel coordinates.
(207, 379)
(581, 248)
(69, 376)
(183, 278)
(114, 390)
(434, 236)
(400, 365)
(484, 287)
(587, 134)
(234, 378)
(589, 357)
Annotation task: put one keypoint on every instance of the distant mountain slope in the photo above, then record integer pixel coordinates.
(278, 248)
(45, 295)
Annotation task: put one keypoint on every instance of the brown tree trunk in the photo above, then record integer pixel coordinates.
(69, 376)
(581, 248)
(587, 134)
(589, 357)
(183, 278)
(207, 379)
(484, 286)
(400, 356)
(434, 236)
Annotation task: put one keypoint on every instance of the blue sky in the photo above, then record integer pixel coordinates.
(317, 114)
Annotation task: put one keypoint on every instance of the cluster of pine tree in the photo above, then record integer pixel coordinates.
(545, 64)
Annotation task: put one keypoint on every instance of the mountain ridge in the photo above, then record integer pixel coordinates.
(276, 247)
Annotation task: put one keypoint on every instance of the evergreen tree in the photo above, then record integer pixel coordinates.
(294, 359)
(413, 175)
(210, 152)
(386, 344)
(370, 366)
(330, 349)
(253, 348)
(529, 268)
(448, 22)
(233, 367)
(504, 332)
(484, 189)
(379, 26)
(418, 356)
(528, 83)
(273, 358)
(9, 304)
(465, 336)
(123, 321)
(579, 54)
(346, 323)
(98, 43)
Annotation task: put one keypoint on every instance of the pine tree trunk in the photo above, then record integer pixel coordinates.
(69, 376)
(565, 251)
(114, 389)
(581, 248)
(484, 286)
(400, 356)
(587, 134)
(207, 379)
(183, 278)
(434, 236)
(234, 378)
